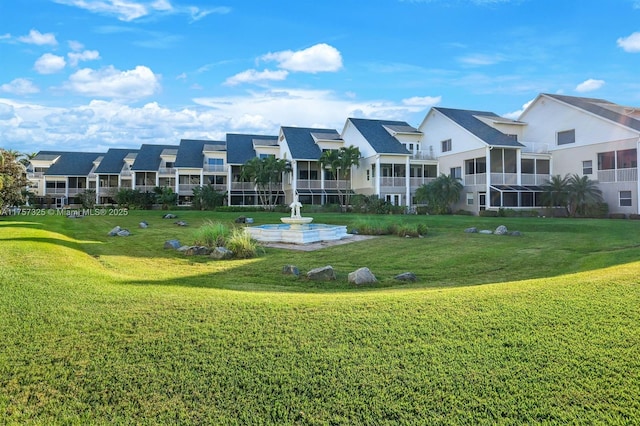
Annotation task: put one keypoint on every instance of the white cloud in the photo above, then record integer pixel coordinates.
(253, 76)
(318, 58)
(425, 101)
(481, 59)
(112, 83)
(36, 37)
(49, 64)
(589, 85)
(129, 10)
(631, 43)
(20, 86)
(6, 111)
(516, 114)
(86, 55)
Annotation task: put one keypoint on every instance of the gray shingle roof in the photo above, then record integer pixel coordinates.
(190, 153)
(148, 158)
(378, 137)
(302, 144)
(113, 161)
(48, 155)
(240, 147)
(600, 107)
(489, 135)
(73, 164)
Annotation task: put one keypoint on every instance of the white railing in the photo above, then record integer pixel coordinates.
(415, 182)
(309, 184)
(243, 186)
(215, 168)
(145, 188)
(535, 147)
(618, 175)
(187, 187)
(533, 179)
(423, 155)
(504, 179)
(476, 179)
(34, 175)
(393, 182)
(126, 173)
(167, 171)
(336, 184)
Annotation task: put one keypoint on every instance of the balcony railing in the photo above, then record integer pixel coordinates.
(394, 182)
(423, 155)
(535, 147)
(504, 178)
(215, 168)
(336, 184)
(618, 175)
(309, 184)
(243, 186)
(476, 179)
(415, 182)
(145, 188)
(34, 175)
(167, 171)
(534, 179)
(126, 173)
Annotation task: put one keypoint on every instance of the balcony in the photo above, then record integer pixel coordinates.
(534, 179)
(475, 179)
(166, 171)
(336, 184)
(393, 182)
(145, 188)
(215, 168)
(618, 175)
(423, 155)
(535, 147)
(309, 184)
(34, 175)
(504, 178)
(416, 182)
(243, 186)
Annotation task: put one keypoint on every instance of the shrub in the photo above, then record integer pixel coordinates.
(212, 234)
(371, 227)
(489, 213)
(617, 216)
(242, 245)
(409, 230)
(634, 216)
(463, 213)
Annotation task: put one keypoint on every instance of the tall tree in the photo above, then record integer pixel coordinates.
(266, 173)
(339, 163)
(582, 193)
(12, 179)
(440, 194)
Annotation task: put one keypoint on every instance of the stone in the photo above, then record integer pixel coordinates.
(181, 223)
(472, 230)
(195, 250)
(183, 249)
(240, 219)
(114, 231)
(248, 220)
(290, 270)
(406, 276)
(169, 216)
(172, 244)
(485, 231)
(501, 230)
(220, 253)
(515, 234)
(143, 224)
(324, 273)
(362, 276)
(123, 233)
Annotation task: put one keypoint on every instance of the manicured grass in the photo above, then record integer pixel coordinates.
(542, 328)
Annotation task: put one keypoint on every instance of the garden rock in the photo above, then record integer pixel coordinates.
(290, 270)
(362, 276)
(241, 219)
(515, 234)
(123, 233)
(143, 225)
(472, 230)
(406, 276)
(501, 230)
(172, 244)
(486, 232)
(195, 250)
(220, 253)
(114, 231)
(324, 273)
(169, 216)
(181, 223)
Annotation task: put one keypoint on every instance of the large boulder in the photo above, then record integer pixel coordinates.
(241, 219)
(143, 224)
(406, 276)
(169, 216)
(472, 230)
(362, 276)
(114, 231)
(123, 233)
(324, 273)
(220, 253)
(172, 244)
(501, 230)
(290, 270)
(181, 223)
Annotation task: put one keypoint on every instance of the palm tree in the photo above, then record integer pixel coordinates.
(266, 173)
(440, 194)
(582, 193)
(555, 192)
(337, 161)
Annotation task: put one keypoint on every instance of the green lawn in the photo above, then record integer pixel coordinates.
(542, 328)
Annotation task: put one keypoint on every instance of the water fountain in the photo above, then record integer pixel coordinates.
(297, 229)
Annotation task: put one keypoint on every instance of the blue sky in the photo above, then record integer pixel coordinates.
(88, 75)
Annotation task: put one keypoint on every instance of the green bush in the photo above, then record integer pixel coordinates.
(212, 234)
(617, 216)
(242, 245)
(463, 213)
(634, 216)
(488, 213)
(409, 230)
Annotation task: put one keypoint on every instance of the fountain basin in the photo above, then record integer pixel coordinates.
(297, 233)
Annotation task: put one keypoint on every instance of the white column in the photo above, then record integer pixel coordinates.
(377, 178)
(519, 166)
(408, 183)
(294, 179)
(488, 173)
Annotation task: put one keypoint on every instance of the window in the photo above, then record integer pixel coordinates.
(456, 172)
(627, 159)
(446, 145)
(262, 156)
(527, 166)
(566, 137)
(368, 174)
(625, 199)
(211, 162)
(607, 160)
(543, 167)
(469, 198)
(587, 167)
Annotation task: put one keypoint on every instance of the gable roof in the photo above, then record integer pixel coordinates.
(73, 164)
(302, 144)
(376, 133)
(148, 158)
(241, 147)
(468, 120)
(47, 155)
(190, 153)
(602, 108)
(113, 161)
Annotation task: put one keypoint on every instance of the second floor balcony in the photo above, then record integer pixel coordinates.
(618, 175)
